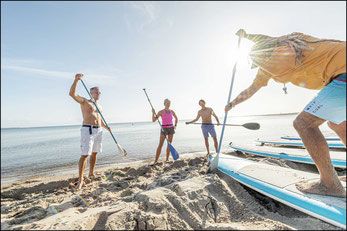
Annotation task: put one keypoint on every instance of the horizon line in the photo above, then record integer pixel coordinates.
(287, 113)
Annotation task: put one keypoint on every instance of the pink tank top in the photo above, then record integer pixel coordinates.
(167, 119)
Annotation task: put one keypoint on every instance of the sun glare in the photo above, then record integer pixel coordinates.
(241, 55)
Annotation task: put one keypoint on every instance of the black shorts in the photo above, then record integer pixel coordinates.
(168, 131)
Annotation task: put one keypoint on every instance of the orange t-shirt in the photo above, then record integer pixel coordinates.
(322, 63)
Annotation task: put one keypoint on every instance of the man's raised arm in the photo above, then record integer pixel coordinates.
(72, 93)
(244, 95)
(253, 37)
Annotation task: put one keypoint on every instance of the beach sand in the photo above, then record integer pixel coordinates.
(170, 195)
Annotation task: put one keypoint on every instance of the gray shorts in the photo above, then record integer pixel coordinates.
(168, 131)
(208, 128)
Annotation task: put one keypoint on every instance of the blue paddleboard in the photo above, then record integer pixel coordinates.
(278, 183)
(296, 155)
(298, 138)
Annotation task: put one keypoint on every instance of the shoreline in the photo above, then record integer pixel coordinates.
(73, 169)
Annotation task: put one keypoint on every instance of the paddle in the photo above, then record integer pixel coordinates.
(251, 126)
(120, 149)
(214, 163)
(174, 153)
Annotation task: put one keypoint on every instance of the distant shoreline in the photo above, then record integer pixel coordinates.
(71, 125)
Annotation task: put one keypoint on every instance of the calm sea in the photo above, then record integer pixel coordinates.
(46, 150)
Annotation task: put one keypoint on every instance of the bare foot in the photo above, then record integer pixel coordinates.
(91, 176)
(79, 185)
(343, 178)
(317, 187)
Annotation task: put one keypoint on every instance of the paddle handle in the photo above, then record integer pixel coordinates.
(98, 111)
(230, 91)
(144, 89)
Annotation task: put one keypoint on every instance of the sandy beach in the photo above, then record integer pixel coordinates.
(171, 195)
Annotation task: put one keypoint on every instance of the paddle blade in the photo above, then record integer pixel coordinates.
(174, 154)
(122, 151)
(214, 164)
(252, 126)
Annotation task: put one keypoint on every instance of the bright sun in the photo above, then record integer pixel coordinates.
(241, 55)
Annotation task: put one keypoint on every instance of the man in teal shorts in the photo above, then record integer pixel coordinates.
(312, 63)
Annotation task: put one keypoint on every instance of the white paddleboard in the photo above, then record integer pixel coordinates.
(279, 184)
(296, 155)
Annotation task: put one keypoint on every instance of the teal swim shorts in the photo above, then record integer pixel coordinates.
(330, 103)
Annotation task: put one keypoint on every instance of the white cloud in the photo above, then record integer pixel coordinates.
(148, 12)
(92, 75)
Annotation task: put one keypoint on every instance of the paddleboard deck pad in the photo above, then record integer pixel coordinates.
(298, 138)
(298, 144)
(296, 155)
(278, 183)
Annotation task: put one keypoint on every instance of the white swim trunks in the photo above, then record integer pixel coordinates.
(91, 138)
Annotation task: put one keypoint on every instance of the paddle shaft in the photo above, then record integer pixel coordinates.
(155, 114)
(98, 110)
(231, 88)
(225, 124)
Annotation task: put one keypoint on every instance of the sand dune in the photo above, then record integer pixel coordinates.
(173, 195)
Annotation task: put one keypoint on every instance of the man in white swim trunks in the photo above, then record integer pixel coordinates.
(91, 132)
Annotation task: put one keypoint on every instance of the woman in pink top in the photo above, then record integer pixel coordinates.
(168, 129)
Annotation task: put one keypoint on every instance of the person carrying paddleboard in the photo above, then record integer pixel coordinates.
(168, 128)
(207, 127)
(312, 63)
(91, 132)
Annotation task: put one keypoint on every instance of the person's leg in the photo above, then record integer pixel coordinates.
(92, 162)
(205, 134)
(214, 137)
(97, 148)
(81, 166)
(161, 142)
(307, 126)
(215, 143)
(87, 142)
(170, 138)
(340, 130)
(207, 145)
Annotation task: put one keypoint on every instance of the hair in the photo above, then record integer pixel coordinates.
(166, 100)
(201, 100)
(93, 89)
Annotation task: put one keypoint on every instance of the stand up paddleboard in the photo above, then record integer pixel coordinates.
(279, 184)
(296, 155)
(332, 145)
(298, 138)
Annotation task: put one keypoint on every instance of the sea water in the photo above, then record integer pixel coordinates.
(45, 150)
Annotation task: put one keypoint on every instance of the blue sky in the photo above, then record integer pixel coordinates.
(178, 50)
